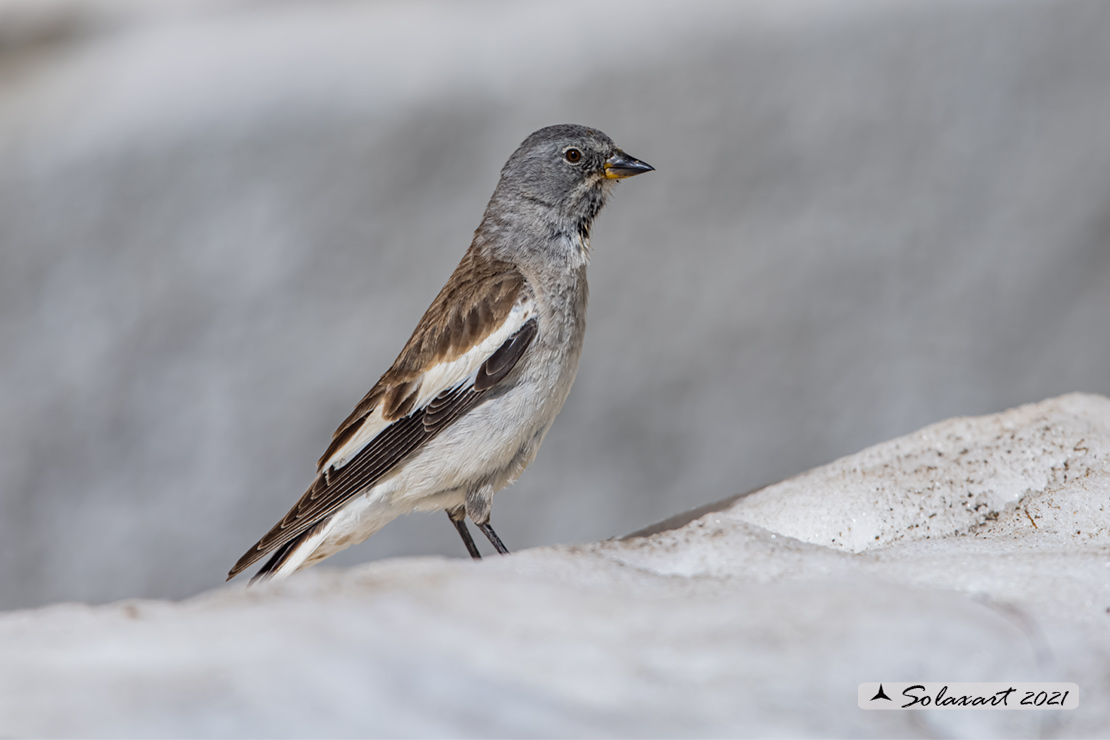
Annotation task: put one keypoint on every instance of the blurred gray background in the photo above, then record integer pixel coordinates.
(219, 222)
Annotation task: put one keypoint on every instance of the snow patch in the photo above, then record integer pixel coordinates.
(974, 550)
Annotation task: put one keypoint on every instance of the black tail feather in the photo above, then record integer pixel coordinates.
(275, 560)
(281, 555)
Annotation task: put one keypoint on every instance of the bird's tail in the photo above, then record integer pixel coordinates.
(350, 525)
(293, 555)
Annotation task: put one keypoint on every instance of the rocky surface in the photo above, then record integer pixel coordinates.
(977, 549)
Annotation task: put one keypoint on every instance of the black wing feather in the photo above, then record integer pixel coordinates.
(334, 487)
(501, 362)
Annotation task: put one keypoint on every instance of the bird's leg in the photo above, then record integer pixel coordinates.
(458, 518)
(487, 530)
(477, 506)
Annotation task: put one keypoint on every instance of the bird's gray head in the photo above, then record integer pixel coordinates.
(560, 177)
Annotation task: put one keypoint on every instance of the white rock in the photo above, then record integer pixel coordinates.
(977, 549)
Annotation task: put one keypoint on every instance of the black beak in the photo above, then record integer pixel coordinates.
(620, 165)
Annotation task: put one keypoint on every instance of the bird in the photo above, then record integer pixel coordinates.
(465, 406)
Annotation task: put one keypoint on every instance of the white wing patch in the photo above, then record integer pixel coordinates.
(435, 380)
(371, 427)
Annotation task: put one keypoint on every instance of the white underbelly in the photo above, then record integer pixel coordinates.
(489, 446)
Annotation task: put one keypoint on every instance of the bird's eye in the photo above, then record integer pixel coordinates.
(574, 156)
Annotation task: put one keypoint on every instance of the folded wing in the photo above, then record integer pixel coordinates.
(469, 340)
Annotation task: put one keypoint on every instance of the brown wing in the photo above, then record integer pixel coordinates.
(397, 389)
(335, 487)
(475, 301)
